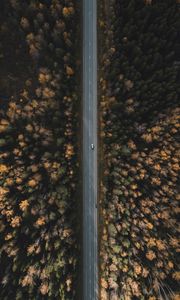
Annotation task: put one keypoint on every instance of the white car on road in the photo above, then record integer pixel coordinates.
(92, 146)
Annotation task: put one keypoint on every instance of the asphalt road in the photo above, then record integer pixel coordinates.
(90, 232)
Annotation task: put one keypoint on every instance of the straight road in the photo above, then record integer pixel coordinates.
(90, 232)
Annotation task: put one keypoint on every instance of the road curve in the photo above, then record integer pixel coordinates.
(90, 232)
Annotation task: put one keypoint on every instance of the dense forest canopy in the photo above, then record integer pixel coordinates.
(38, 149)
(140, 140)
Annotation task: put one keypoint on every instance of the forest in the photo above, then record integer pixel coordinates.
(40, 160)
(39, 165)
(139, 122)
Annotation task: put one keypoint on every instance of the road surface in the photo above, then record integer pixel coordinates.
(90, 237)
